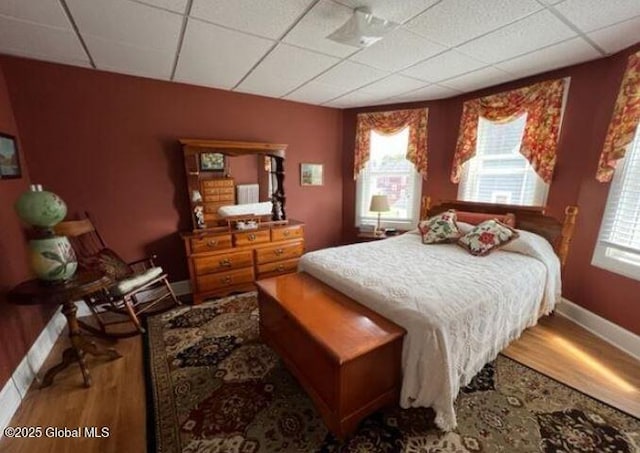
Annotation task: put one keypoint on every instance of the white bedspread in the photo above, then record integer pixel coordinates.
(459, 311)
(262, 208)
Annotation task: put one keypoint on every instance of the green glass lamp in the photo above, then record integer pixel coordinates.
(52, 258)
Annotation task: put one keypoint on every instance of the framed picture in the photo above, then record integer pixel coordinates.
(211, 162)
(311, 174)
(9, 160)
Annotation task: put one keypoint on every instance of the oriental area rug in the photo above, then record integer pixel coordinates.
(213, 386)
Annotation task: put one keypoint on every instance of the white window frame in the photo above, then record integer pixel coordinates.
(542, 189)
(615, 257)
(468, 178)
(399, 224)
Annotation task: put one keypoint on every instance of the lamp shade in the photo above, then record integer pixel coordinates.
(379, 203)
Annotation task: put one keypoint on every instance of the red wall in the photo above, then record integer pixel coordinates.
(592, 93)
(107, 143)
(19, 326)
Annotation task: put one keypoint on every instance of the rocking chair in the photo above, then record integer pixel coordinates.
(137, 287)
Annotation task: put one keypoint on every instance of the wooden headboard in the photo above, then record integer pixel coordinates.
(528, 218)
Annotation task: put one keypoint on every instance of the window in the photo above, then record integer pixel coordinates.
(389, 173)
(498, 173)
(618, 246)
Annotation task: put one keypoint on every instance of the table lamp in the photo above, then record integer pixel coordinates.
(52, 258)
(379, 203)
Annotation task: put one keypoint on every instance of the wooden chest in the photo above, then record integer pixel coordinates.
(347, 357)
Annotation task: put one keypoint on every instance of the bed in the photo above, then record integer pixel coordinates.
(459, 310)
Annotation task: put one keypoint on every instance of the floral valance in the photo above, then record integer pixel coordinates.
(541, 102)
(389, 123)
(624, 121)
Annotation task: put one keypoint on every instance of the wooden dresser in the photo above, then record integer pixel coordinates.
(223, 262)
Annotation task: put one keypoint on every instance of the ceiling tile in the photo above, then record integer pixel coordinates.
(394, 85)
(41, 42)
(397, 50)
(357, 98)
(127, 22)
(478, 79)
(215, 56)
(589, 15)
(526, 35)
(123, 58)
(264, 18)
(444, 66)
(617, 37)
(316, 93)
(394, 11)
(284, 69)
(179, 6)
(44, 12)
(322, 20)
(453, 22)
(570, 52)
(428, 93)
(551, 2)
(351, 75)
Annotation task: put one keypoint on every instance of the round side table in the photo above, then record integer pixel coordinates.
(36, 292)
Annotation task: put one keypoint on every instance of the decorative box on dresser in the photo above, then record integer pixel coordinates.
(216, 192)
(221, 263)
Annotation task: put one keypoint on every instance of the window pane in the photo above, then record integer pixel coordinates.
(389, 173)
(498, 173)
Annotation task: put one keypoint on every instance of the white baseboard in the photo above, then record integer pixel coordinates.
(603, 328)
(23, 376)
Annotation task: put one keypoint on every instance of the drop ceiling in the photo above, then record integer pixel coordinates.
(278, 48)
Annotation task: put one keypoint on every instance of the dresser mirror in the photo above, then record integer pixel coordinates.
(234, 182)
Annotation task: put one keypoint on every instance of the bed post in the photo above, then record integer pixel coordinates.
(425, 205)
(568, 227)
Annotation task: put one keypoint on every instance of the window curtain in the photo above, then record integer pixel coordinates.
(389, 123)
(541, 102)
(624, 121)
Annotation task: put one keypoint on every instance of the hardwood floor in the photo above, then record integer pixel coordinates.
(556, 347)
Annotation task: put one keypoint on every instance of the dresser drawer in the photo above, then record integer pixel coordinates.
(218, 191)
(279, 252)
(218, 263)
(251, 237)
(221, 182)
(221, 280)
(292, 232)
(277, 268)
(209, 243)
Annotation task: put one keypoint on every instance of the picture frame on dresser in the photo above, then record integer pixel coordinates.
(214, 162)
(9, 158)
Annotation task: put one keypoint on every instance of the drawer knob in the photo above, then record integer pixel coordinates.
(251, 237)
(286, 232)
(278, 252)
(226, 280)
(226, 262)
(281, 268)
(212, 243)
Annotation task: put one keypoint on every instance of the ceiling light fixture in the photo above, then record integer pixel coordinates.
(362, 29)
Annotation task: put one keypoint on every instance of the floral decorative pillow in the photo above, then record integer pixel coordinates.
(486, 237)
(440, 228)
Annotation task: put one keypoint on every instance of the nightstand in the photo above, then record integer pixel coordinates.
(369, 236)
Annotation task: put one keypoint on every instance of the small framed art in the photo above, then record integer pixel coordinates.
(212, 162)
(9, 160)
(311, 174)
